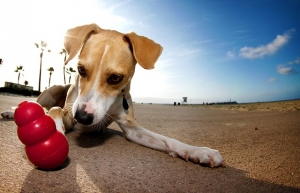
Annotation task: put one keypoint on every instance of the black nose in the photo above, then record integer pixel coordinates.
(83, 117)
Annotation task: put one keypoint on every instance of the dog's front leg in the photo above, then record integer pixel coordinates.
(175, 148)
(63, 119)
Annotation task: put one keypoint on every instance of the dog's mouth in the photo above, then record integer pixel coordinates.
(103, 123)
(85, 118)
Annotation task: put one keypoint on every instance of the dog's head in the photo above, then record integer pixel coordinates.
(106, 65)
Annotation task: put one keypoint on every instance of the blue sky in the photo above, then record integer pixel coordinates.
(213, 50)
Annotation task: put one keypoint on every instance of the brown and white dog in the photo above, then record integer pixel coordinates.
(100, 94)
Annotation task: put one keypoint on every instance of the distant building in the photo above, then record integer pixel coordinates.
(184, 100)
(15, 85)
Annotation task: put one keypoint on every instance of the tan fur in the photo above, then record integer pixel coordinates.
(145, 51)
(54, 96)
(75, 37)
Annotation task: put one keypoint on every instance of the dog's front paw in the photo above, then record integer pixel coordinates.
(201, 155)
(7, 114)
(206, 156)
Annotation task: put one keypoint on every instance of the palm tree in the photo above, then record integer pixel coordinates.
(64, 52)
(70, 71)
(19, 71)
(43, 45)
(51, 70)
(1, 62)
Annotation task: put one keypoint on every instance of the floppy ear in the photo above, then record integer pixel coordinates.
(76, 37)
(145, 51)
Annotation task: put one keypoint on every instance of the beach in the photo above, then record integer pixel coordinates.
(288, 105)
(260, 143)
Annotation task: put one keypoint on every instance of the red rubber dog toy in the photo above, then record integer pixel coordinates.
(45, 147)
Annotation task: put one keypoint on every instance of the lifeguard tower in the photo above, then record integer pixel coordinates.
(184, 100)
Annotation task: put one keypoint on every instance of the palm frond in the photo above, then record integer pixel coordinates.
(51, 69)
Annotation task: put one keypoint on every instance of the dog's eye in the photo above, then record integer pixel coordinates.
(115, 79)
(81, 71)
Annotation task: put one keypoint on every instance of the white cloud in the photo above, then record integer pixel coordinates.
(271, 48)
(297, 61)
(284, 70)
(272, 80)
(230, 54)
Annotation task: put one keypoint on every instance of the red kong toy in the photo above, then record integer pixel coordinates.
(45, 147)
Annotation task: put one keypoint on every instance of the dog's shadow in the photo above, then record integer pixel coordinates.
(6, 120)
(96, 138)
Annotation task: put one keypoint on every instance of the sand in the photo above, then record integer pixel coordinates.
(261, 147)
(290, 105)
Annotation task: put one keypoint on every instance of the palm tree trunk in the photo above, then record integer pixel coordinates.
(19, 77)
(64, 69)
(41, 59)
(49, 81)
